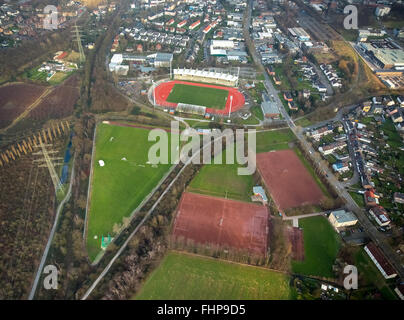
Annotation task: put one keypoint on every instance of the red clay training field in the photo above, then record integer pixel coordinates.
(227, 223)
(288, 181)
(163, 90)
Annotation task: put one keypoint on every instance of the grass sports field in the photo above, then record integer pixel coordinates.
(222, 180)
(183, 276)
(321, 245)
(121, 185)
(202, 96)
(274, 140)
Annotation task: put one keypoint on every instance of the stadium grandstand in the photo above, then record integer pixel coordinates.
(191, 108)
(206, 76)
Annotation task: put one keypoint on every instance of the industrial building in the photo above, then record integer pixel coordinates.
(299, 33)
(387, 57)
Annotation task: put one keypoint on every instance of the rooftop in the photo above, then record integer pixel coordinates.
(343, 216)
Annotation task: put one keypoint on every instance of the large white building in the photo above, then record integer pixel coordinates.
(206, 76)
(342, 218)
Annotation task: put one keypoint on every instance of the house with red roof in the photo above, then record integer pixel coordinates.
(194, 25)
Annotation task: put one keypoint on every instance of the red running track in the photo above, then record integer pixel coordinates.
(163, 90)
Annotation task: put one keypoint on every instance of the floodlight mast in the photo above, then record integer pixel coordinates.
(154, 94)
(231, 104)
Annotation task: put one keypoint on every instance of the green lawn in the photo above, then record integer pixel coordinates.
(303, 122)
(358, 198)
(394, 139)
(257, 112)
(182, 277)
(321, 245)
(274, 140)
(121, 185)
(202, 96)
(222, 180)
(59, 77)
(34, 74)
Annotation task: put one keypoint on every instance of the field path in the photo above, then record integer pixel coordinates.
(48, 244)
(31, 107)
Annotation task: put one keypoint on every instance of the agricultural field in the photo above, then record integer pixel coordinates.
(119, 186)
(15, 98)
(222, 180)
(58, 104)
(202, 96)
(274, 140)
(184, 276)
(321, 246)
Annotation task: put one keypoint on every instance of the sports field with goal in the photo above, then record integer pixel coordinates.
(321, 246)
(222, 180)
(201, 96)
(184, 276)
(121, 184)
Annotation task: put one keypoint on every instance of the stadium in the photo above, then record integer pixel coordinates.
(198, 92)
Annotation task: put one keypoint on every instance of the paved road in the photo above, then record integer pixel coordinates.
(376, 236)
(55, 223)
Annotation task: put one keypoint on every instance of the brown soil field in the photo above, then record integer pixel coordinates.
(295, 236)
(288, 181)
(59, 103)
(227, 223)
(15, 98)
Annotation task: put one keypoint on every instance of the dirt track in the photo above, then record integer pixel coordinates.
(295, 236)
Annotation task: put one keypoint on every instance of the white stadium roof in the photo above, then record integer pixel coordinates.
(205, 74)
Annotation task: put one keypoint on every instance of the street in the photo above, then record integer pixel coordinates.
(370, 229)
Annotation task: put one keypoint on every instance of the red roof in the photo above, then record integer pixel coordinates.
(62, 55)
(381, 259)
(195, 24)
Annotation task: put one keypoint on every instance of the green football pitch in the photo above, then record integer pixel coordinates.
(201, 96)
(321, 246)
(119, 186)
(183, 276)
(222, 180)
